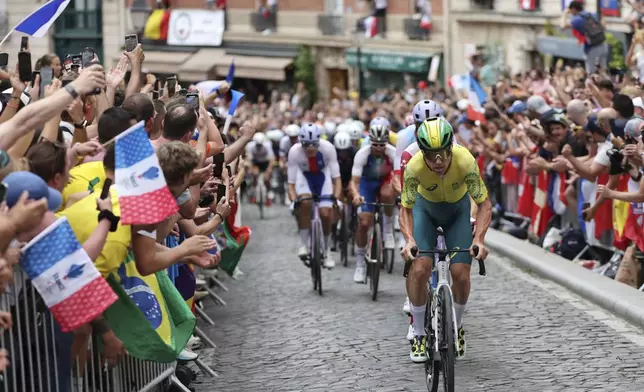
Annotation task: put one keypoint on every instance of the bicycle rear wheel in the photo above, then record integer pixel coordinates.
(376, 252)
(447, 344)
(259, 199)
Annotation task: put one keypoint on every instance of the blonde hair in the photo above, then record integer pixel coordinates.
(177, 160)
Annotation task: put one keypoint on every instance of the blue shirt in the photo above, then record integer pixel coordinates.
(577, 23)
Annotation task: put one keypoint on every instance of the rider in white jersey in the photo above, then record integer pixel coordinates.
(422, 111)
(260, 152)
(292, 132)
(313, 170)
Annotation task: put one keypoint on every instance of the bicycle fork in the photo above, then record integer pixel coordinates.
(442, 268)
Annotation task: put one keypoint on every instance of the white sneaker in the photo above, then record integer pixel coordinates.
(303, 252)
(200, 282)
(410, 332)
(328, 262)
(406, 306)
(390, 242)
(187, 355)
(194, 343)
(359, 275)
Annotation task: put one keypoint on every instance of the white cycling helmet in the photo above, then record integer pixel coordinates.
(344, 128)
(360, 125)
(380, 121)
(292, 130)
(342, 141)
(378, 133)
(274, 135)
(355, 132)
(329, 128)
(259, 137)
(426, 109)
(310, 133)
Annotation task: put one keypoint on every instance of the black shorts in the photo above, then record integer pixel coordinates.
(262, 166)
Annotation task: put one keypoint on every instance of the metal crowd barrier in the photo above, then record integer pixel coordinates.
(41, 360)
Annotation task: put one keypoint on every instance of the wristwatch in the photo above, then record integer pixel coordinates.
(82, 124)
(71, 91)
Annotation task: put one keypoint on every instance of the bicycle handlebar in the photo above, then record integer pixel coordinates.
(415, 252)
(379, 204)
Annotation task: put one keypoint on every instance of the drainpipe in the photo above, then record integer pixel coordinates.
(447, 39)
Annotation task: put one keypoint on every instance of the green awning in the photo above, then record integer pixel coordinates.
(389, 61)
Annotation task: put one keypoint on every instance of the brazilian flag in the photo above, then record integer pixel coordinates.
(150, 317)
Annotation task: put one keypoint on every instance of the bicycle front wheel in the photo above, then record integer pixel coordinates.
(376, 253)
(316, 257)
(447, 344)
(344, 240)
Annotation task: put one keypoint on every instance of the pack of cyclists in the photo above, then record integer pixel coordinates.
(352, 166)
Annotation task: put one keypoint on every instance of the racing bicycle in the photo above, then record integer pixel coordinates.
(440, 322)
(375, 253)
(316, 254)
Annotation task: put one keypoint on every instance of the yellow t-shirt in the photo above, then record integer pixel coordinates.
(461, 177)
(85, 177)
(83, 218)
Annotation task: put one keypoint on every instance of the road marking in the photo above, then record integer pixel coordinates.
(622, 327)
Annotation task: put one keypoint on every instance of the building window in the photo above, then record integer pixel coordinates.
(482, 4)
(530, 5)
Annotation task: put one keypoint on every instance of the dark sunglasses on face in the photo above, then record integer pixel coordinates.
(379, 145)
(310, 144)
(433, 155)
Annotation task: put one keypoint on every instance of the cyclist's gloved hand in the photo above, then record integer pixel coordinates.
(291, 207)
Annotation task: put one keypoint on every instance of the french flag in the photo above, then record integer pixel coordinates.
(370, 26)
(143, 193)
(38, 22)
(65, 276)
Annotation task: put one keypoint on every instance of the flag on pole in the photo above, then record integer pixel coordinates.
(143, 193)
(477, 96)
(38, 22)
(231, 73)
(237, 96)
(370, 26)
(65, 276)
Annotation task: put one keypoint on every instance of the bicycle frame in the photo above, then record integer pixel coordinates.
(440, 278)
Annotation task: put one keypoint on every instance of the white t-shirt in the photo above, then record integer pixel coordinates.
(325, 159)
(602, 157)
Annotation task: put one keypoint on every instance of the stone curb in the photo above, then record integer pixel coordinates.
(618, 298)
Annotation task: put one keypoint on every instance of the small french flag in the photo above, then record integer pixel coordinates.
(143, 193)
(38, 22)
(65, 276)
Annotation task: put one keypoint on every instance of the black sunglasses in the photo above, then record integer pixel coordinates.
(309, 144)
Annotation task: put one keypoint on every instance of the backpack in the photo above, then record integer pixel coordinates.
(571, 244)
(593, 30)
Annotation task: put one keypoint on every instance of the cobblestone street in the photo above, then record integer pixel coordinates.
(524, 333)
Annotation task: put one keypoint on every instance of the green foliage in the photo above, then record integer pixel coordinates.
(616, 59)
(305, 71)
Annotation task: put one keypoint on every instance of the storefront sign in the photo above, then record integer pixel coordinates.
(389, 61)
(190, 27)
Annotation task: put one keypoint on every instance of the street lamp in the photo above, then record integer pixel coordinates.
(139, 11)
(358, 37)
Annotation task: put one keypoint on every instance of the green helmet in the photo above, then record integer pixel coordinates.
(434, 134)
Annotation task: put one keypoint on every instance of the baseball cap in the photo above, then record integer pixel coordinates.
(20, 181)
(517, 107)
(638, 103)
(538, 104)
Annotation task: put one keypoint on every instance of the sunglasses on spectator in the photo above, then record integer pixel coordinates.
(4, 159)
(310, 144)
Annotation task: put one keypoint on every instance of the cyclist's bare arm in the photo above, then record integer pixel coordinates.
(337, 188)
(478, 192)
(408, 199)
(354, 185)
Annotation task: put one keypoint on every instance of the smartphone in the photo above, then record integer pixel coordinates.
(77, 59)
(217, 165)
(155, 92)
(192, 100)
(68, 63)
(46, 77)
(4, 60)
(24, 66)
(87, 56)
(131, 41)
(172, 85)
(106, 188)
(33, 77)
(24, 44)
